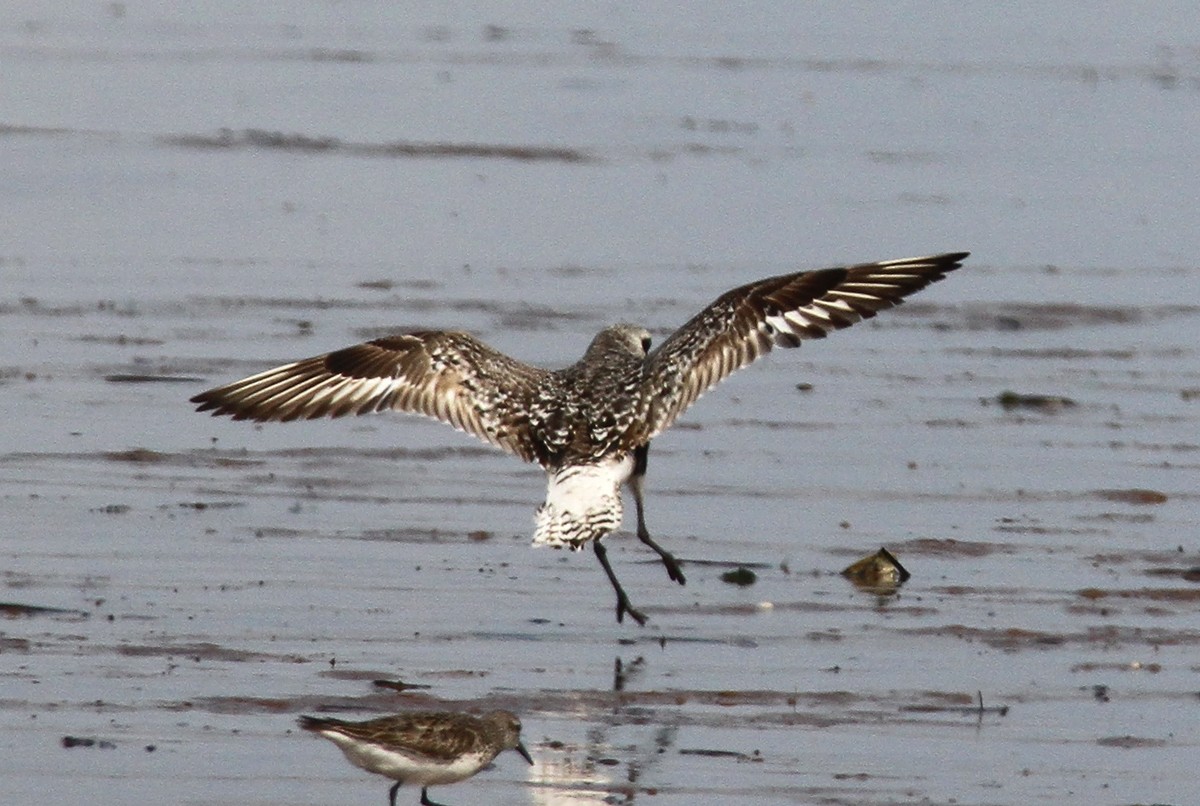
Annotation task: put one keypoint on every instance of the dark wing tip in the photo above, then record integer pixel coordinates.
(207, 401)
(313, 723)
(873, 287)
(945, 263)
(217, 404)
(951, 260)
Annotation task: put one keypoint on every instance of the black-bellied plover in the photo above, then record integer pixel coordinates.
(589, 425)
(423, 748)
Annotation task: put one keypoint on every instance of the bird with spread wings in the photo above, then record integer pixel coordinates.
(588, 425)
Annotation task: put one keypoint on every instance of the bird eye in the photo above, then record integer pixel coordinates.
(645, 344)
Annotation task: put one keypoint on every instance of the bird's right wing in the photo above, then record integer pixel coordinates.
(747, 322)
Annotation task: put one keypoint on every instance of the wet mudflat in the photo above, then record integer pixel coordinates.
(197, 198)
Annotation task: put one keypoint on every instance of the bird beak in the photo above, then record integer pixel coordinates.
(524, 753)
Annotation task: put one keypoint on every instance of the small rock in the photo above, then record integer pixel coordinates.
(1048, 404)
(740, 576)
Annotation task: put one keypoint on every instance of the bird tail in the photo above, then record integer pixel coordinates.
(583, 503)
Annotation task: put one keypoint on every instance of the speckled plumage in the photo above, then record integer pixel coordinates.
(594, 419)
(423, 748)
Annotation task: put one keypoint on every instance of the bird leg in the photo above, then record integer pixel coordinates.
(392, 793)
(640, 457)
(623, 604)
(425, 801)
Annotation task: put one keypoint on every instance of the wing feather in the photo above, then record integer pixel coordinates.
(446, 375)
(746, 323)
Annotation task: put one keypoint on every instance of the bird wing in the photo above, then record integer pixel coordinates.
(440, 737)
(449, 376)
(747, 322)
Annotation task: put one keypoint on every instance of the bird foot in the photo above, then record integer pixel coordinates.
(425, 801)
(673, 569)
(624, 606)
(668, 559)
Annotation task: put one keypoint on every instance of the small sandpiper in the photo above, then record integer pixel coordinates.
(423, 748)
(589, 425)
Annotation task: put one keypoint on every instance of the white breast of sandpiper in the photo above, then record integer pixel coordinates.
(401, 766)
(583, 502)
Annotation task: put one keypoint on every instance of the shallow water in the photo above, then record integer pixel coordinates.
(195, 195)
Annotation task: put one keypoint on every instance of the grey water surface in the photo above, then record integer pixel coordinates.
(194, 192)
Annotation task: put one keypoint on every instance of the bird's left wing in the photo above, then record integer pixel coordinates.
(447, 375)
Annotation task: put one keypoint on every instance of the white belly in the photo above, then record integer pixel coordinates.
(583, 502)
(401, 766)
